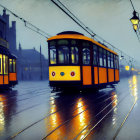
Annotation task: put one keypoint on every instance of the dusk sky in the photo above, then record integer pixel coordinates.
(108, 18)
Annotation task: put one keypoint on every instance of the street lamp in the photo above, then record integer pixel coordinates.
(135, 20)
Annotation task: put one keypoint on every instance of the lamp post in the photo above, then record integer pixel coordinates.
(135, 21)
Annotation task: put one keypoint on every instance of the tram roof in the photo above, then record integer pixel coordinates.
(80, 37)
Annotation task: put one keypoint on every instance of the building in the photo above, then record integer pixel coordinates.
(10, 32)
(31, 64)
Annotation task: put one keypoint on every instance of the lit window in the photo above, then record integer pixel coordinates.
(52, 55)
(0, 63)
(10, 65)
(74, 55)
(63, 55)
(14, 65)
(5, 62)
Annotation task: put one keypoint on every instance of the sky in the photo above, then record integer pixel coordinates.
(110, 19)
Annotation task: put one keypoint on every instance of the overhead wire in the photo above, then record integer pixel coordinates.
(88, 30)
(28, 24)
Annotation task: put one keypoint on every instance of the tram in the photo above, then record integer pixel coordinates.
(77, 61)
(7, 79)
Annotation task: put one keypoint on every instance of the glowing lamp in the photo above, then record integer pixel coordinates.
(127, 68)
(135, 20)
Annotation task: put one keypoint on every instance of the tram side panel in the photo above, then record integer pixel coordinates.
(87, 76)
(95, 75)
(117, 77)
(102, 75)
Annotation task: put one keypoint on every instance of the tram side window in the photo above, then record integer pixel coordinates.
(104, 57)
(112, 61)
(95, 55)
(63, 55)
(86, 56)
(14, 65)
(5, 62)
(101, 56)
(116, 62)
(0, 64)
(10, 65)
(74, 55)
(52, 55)
(109, 59)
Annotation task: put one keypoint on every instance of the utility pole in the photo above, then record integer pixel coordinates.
(41, 78)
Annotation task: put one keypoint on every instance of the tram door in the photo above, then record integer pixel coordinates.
(86, 68)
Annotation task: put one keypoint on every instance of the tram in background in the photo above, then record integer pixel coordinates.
(7, 79)
(77, 61)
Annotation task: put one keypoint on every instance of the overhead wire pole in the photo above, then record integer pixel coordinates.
(83, 26)
(28, 24)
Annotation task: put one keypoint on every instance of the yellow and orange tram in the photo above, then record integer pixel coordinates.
(79, 61)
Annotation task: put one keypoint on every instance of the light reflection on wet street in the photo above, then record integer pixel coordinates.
(32, 112)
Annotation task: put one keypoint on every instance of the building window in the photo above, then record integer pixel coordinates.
(86, 56)
(52, 55)
(63, 55)
(74, 55)
(95, 55)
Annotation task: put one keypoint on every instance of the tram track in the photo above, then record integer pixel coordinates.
(75, 116)
(92, 128)
(26, 98)
(70, 120)
(14, 96)
(56, 112)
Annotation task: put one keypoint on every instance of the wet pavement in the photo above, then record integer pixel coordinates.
(32, 112)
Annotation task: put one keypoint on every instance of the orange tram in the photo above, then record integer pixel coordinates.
(77, 61)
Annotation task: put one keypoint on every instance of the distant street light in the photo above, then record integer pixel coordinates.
(135, 20)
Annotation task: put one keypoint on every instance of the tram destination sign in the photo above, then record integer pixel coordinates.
(4, 43)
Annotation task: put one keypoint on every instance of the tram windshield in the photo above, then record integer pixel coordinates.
(63, 52)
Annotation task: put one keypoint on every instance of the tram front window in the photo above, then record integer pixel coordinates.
(63, 55)
(74, 55)
(52, 55)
